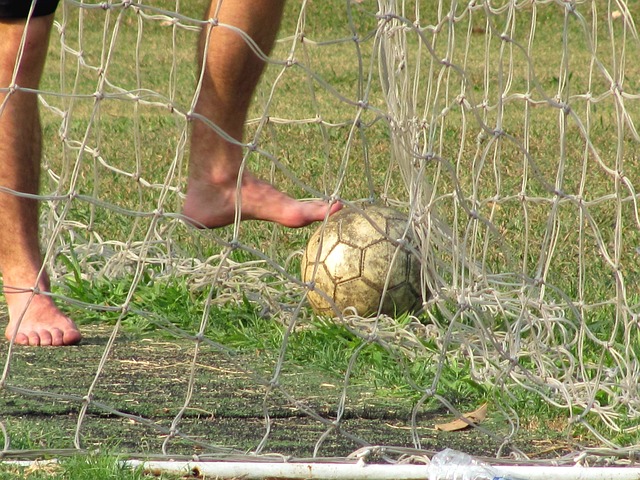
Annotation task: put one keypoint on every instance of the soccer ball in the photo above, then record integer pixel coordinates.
(351, 258)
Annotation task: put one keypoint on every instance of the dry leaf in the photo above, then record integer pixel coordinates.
(44, 467)
(476, 416)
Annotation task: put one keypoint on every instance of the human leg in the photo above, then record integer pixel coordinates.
(34, 319)
(231, 73)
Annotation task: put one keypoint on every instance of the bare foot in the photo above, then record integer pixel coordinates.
(212, 205)
(43, 324)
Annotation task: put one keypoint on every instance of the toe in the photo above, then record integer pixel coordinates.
(46, 338)
(33, 339)
(71, 337)
(21, 339)
(57, 337)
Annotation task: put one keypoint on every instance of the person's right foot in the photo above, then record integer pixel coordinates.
(41, 324)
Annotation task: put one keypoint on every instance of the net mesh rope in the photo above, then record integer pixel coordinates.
(513, 152)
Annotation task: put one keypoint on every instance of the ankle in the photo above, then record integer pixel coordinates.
(26, 284)
(223, 176)
(214, 161)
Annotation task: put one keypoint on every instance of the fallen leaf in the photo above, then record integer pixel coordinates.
(476, 416)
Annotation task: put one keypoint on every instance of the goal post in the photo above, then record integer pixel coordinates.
(504, 130)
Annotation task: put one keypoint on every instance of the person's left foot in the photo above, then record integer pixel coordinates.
(211, 206)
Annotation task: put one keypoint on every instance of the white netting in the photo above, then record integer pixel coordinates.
(505, 129)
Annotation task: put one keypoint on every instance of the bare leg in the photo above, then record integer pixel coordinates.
(33, 319)
(231, 73)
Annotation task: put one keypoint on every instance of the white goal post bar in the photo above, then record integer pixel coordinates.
(360, 471)
(357, 471)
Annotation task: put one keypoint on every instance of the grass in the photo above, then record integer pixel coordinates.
(243, 327)
(80, 467)
(328, 366)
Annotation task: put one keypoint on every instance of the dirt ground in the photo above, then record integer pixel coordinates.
(144, 385)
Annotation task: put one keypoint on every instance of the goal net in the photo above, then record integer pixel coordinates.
(505, 131)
